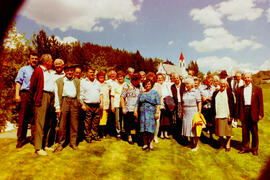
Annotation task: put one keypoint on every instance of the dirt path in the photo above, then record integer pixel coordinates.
(12, 134)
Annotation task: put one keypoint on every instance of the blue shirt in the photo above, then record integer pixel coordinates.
(24, 76)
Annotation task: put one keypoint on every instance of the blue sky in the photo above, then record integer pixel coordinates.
(228, 34)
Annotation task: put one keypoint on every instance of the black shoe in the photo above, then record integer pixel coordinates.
(227, 149)
(243, 151)
(21, 143)
(74, 147)
(131, 142)
(58, 149)
(255, 153)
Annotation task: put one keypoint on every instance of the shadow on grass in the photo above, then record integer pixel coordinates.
(236, 145)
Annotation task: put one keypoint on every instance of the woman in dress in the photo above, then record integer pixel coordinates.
(223, 112)
(106, 101)
(190, 105)
(148, 104)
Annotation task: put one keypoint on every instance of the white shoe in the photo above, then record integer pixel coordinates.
(195, 149)
(49, 149)
(234, 124)
(41, 152)
(156, 140)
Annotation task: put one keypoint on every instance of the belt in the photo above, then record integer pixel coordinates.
(189, 106)
(24, 91)
(48, 92)
(247, 106)
(69, 97)
(93, 104)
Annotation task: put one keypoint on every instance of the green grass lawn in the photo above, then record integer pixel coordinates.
(111, 159)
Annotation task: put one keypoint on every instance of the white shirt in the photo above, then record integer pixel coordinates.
(222, 106)
(116, 92)
(90, 91)
(48, 79)
(57, 76)
(247, 94)
(69, 90)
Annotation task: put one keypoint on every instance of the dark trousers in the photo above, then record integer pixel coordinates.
(91, 122)
(210, 122)
(147, 138)
(26, 116)
(248, 126)
(43, 120)
(177, 121)
(130, 123)
(81, 125)
(70, 110)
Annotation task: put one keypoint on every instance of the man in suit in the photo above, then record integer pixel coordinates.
(177, 91)
(67, 103)
(250, 111)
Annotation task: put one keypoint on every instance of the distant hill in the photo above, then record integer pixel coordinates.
(261, 76)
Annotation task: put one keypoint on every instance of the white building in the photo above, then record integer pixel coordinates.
(168, 69)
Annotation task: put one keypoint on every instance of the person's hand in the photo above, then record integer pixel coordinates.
(112, 108)
(124, 110)
(17, 99)
(58, 112)
(260, 117)
(136, 114)
(84, 107)
(101, 106)
(156, 116)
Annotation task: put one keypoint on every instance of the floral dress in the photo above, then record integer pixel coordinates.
(147, 103)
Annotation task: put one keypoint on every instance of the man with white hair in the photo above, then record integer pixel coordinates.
(130, 72)
(42, 93)
(59, 69)
(250, 111)
(236, 83)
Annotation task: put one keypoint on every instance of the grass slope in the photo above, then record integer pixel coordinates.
(111, 159)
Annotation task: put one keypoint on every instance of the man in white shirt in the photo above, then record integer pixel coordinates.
(115, 103)
(42, 92)
(67, 102)
(250, 111)
(56, 74)
(91, 99)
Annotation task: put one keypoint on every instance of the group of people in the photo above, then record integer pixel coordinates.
(136, 107)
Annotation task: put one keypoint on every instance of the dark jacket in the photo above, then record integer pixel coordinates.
(256, 104)
(230, 103)
(175, 94)
(37, 86)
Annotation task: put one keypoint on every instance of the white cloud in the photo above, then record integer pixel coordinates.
(207, 16)
(67, 39)
(170, 43)
(268, 15)
(219, 38)
(80, 14)
(236, 10)
(214, 63)
(98, 28)
(265, 66)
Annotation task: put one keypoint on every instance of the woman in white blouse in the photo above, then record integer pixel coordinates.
(223, 112)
